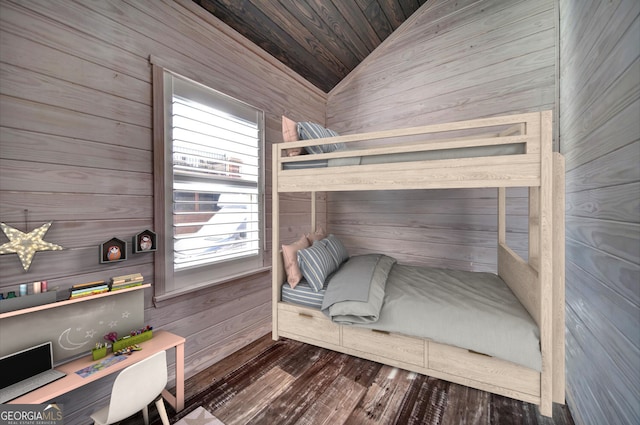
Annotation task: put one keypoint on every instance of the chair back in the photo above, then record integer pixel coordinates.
(137, 386)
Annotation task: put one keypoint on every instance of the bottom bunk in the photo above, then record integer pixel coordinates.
(421, 355)
(464, 327)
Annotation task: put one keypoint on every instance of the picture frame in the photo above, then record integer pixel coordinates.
(113, 251)
(145, 241)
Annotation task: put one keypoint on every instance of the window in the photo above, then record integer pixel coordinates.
(212, 212)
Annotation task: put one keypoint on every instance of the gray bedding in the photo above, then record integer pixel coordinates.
(470, 310)
(355, 293)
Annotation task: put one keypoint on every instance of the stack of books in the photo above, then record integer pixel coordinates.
(126, 281)
(88, 289)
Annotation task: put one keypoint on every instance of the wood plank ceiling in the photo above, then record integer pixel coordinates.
(322, 40)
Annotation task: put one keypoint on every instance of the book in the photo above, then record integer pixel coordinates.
(136, 277)
(88, 292)
(120, 282)
(87, 285)
(126, 276)
(89, 289)
(125, 286)
(127, 283)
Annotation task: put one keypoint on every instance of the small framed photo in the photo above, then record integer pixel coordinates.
(145, 241)
(113, 250)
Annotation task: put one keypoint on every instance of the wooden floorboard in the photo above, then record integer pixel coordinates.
(247, 404)
(287, 382)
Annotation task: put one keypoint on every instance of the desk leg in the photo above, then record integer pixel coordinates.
(179, 377)
(177, 401)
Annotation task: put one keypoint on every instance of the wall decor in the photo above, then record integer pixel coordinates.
(145, 241)
(26, 244)
(113, 250)
(74, 327)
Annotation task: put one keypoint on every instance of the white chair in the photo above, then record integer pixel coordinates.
(134, 389)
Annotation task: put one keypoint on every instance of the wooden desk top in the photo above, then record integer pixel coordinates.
(162, 340)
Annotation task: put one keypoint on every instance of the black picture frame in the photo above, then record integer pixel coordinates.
(145, 241)
(112, 251)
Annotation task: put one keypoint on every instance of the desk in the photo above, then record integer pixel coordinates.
(161, 340)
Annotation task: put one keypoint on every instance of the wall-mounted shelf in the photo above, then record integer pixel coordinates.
(73, 301)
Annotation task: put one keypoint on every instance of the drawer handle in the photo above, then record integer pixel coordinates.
(305, 315)
(380, 332)
(479, 353)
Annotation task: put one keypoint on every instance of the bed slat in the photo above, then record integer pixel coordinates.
(502, 171)
(424, 146)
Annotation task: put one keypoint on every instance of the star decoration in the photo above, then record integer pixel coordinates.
(26, 244)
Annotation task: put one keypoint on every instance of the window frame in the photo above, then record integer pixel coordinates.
(167, 283)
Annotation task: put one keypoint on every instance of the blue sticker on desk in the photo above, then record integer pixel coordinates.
(102, 364)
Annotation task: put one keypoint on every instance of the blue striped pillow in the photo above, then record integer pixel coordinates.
(311, 130)
(316, 263)
(336, 249)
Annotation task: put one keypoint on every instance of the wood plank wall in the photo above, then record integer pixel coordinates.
(600, 138)
(450, 61)
(75, 149)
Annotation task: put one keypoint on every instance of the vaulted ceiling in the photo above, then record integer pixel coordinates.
(322, 40)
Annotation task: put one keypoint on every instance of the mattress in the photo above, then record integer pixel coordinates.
(472, 152)
(303, 294)
(469, 310)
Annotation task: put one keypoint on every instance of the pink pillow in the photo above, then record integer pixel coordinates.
(290, 256)
(319, 234)
(290, 134)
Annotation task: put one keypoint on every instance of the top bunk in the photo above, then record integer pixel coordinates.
(505, 151)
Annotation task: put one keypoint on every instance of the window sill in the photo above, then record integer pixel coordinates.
(161, 300)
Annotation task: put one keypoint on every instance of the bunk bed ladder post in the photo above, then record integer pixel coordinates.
(545, 269)
(534, 227)
(313, 212)
(558, 279)
(276, 268)
(534, 204)
(502, 216)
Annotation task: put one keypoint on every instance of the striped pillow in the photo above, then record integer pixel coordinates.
(336, 249)
(311, 130)
(316, 263)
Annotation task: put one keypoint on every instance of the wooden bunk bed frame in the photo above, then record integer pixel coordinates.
(538, 283)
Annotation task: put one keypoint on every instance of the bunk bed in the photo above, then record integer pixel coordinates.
(497, 152)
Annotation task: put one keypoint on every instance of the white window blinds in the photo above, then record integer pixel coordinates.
(216, 163)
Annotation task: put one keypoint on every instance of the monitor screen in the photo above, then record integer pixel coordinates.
(24, 364)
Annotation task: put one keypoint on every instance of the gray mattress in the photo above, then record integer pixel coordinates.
(471, 310)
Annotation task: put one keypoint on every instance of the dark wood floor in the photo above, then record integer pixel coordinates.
(288, 382)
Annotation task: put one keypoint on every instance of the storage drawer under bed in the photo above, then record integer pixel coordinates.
(483, 368)
(390, 346)
(308, 323)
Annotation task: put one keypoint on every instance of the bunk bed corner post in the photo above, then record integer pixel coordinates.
(558, 279)
(276, 262)
(313, 212)
(534, 227)
(545, 261)
(502, 216)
